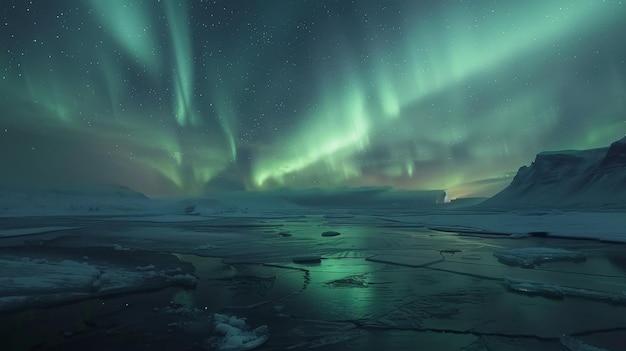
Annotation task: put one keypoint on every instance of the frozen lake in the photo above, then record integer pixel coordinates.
(383, 283)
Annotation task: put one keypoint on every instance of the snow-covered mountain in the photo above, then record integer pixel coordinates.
(571, 178)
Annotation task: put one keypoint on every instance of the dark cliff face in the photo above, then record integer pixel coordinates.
(616, 156)
(550, 168)
(586, 178)
(555, 167)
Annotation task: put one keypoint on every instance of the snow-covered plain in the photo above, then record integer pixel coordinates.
(595, 225)
(390, 278)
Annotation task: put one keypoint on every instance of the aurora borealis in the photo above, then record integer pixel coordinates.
(193, 97)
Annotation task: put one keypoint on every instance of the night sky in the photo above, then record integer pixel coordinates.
(195, 97)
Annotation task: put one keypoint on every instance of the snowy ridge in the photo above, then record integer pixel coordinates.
(571, 178)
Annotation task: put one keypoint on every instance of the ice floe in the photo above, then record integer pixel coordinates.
(41, 282)
(558, 291)
(528, 257)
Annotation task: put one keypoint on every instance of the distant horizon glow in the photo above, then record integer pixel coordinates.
(192, 98)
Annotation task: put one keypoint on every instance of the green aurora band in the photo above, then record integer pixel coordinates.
(192, 97)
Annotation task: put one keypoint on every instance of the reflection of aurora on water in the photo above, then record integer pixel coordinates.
(194, 97)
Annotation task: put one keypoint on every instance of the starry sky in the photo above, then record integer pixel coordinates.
(176, 97)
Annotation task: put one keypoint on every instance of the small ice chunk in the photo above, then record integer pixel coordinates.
(149, 267)
(236, 334)
(528, 257)
(534, 288)
(118, 247)
(227, 329)
(577, 345)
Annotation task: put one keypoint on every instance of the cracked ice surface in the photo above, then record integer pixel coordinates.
(380, 281)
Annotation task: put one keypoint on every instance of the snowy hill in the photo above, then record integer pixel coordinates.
(571, 178)
(75, 201)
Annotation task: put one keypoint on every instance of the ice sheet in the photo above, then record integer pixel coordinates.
(40, 282)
